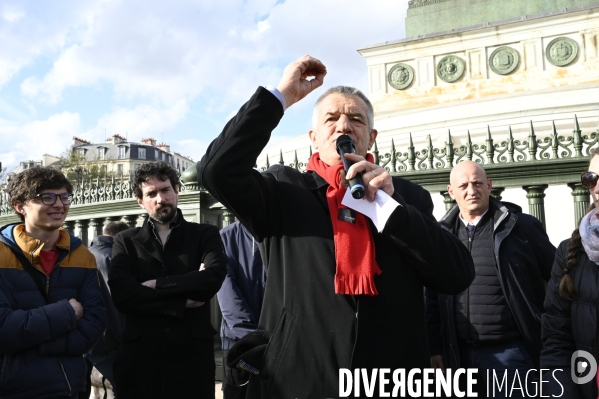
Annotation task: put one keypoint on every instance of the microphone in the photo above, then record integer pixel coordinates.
(345, 145)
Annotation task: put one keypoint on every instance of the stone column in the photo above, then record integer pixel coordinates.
(228, 217)
(82, 233)
(447, 200)
(582, 201)
(69, 225)
(131, 220)
(97, 226)
(536, 201)
(496, 192)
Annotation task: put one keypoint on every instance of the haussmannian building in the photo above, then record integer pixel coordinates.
(120, 157)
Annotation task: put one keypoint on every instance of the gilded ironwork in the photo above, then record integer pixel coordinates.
(561, 51)
(400, 76)
(504, 60)
(451, 68)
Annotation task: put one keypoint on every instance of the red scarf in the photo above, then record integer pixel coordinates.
(354, 247)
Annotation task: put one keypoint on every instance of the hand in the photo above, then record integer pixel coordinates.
(437, 362)
(77, 308)
(150, 284)
(294, 84)
(190, 304)
(374, 176)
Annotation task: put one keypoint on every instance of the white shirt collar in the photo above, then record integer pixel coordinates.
(475, 221)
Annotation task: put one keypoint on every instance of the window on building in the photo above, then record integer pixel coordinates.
(101, 154)
(104, 170)
(141, 153)
(119, 169)
(81, 152)
(156, 155)
(121, 153)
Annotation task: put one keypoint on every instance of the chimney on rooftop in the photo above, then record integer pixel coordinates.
(164, 147)
(149, 141)
(77, 141)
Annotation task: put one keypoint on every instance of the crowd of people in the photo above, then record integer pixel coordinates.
(307, 283)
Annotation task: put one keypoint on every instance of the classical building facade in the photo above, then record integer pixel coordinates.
(47, 160)
(121, 157)
(498, 74)
(500, 82)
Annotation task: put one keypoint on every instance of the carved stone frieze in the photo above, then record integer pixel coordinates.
(400, 76)
(451, 68)
(561, 51)
(504, 60)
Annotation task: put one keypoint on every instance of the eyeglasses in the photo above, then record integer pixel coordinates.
(50, 198)
(589, 179)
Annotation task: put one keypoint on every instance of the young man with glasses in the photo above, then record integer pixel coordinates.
(51, 309)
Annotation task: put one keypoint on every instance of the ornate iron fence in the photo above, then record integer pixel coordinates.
(532, 164)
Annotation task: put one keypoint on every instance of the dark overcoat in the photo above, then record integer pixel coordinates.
(315, 332)
(166, 350)
(569, 326)
(101, 248)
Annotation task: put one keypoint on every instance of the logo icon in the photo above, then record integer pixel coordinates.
(583, 367)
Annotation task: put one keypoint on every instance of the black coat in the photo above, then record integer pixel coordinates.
(524, 256)
(166, 349)
(101, 248)
(315, 331)
(569, 326)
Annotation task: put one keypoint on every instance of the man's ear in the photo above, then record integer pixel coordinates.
(372, 138)
(312, 136)
(489, 183)
(450, 191)
(140, 202)
(19, 207)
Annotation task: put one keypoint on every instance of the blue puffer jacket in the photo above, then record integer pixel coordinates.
(41, 341)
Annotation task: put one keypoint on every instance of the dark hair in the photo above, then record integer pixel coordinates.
(111, 229)
(566, 286)
(160, 170)
(26, 185)
(346, 91)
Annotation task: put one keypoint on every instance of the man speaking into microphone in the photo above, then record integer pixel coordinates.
(340, 293)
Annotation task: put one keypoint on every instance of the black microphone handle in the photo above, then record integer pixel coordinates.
(356, 185)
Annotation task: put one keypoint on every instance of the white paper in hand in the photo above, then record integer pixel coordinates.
(378, 210)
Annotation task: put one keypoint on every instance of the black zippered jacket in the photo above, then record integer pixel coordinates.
(315, 331)
(523, 256)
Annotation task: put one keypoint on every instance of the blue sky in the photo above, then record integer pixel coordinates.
(175, 71)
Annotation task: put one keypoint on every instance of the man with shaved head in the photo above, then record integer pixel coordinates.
(495, 323)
